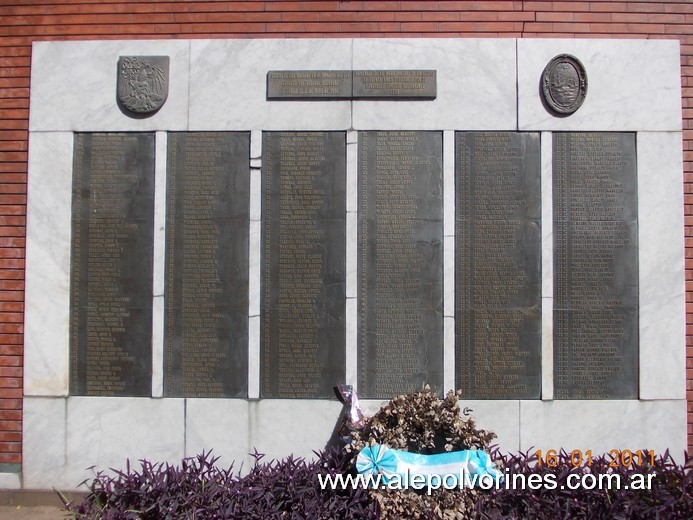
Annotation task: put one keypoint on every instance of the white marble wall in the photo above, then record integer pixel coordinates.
(220, 85)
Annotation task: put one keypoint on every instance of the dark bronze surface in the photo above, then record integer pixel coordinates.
(564, 85)
(111, 264)
(388, 84)
(400, 270)
(206, 295)
(300, 84)
(595, 265)
(347, 84)
(498, 265)
(303, 266)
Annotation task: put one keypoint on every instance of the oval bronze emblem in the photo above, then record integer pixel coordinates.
(564, 84)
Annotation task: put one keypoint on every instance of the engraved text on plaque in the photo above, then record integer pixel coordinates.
(400, 262)
(304, 256)
(498, 265)
(111, 264)
(596, 266)
(206, 294)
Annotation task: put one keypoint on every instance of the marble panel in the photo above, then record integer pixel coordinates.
(158, 314)
(228, 84)
(546, 215)
(351, 255)
(448, 184)
(43, 444)
(475, 79)
(280, 427)
(370, 407)
(631, 84)
(547, 266)
(448, 353)
(219, 425)
(10, 481)
(255, 194)
(159, 214)
(256, 145)
(619, 425)
(107, 431)
(254, 357)
(500, 417)
(73, 86)
(254, 258)
(547, 348)
(47, 290)
(352, 189)
(661, 257)
(351, 336)
(449, 276)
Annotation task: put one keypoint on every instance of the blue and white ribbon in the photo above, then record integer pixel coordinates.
(466, 466)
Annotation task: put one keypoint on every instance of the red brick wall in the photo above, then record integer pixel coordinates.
(25, 21)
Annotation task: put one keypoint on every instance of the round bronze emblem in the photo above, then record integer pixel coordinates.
(564, 84)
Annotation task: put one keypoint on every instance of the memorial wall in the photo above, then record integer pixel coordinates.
(223, 230)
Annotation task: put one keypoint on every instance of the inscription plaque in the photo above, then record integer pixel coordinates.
(400, 266)
(206, 293)
(347, 84)
(304, 263)
(293, 84)
(111, 264)
(395, 84)
(498, 265)
(596, 266)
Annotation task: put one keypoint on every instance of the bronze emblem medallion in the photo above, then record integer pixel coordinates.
(564, 84)
(142, 83)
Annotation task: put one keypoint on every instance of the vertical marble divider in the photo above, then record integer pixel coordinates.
(351, 316)
(448, 260)
(254, 259)
(159, 268)
(546, 267)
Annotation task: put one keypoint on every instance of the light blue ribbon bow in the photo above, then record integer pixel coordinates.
(392, 464)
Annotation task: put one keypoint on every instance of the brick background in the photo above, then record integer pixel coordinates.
(25, 21)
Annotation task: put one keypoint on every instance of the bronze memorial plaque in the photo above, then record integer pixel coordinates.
(563, 85)
(393, 84)
(307, 84)
(142, 84)
(304, 264)
(111, 264)
(348, 84)
(595, 234)
(498, 265)
(400, 267)
(206, 288)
